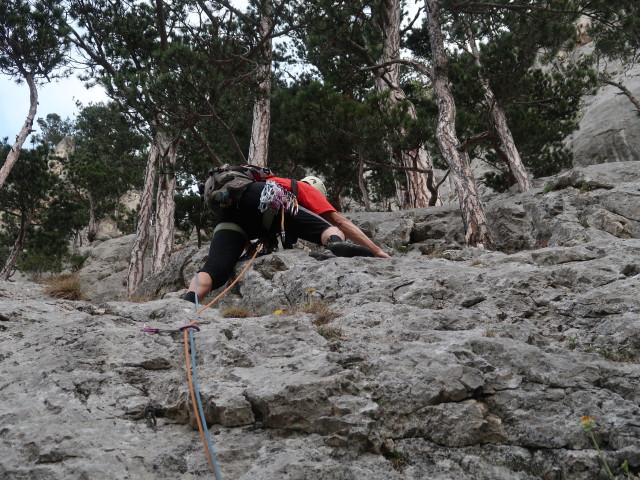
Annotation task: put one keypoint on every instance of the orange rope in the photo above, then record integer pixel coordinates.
(188, 361)
(194, 403)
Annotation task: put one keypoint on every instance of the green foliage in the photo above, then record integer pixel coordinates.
(496, 181)
(572, 343)
(76, 261)
(53, 130)
(34, 213)
(191, 214)
(193, 76)
(614, 27)
(540, 105)
(33, 39)
(333, 40)
(317, 129)
(108, 160)
(28, 185)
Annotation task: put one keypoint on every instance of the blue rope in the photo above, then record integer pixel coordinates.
(192, 346)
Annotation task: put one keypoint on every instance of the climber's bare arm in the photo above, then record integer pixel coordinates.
(353, 233)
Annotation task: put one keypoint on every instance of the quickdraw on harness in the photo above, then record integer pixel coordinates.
(274, 198)
(192, 375)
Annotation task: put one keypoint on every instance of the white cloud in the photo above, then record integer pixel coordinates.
(56, 97)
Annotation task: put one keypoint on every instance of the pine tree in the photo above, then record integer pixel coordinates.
(107, 162)
(23, 200)
(33, 49)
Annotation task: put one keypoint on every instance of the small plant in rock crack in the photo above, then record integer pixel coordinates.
(310, 295)
(398, 460)
(586, 187)
(621, 355)
(616, 356)
(588, 423)
(320, 309)
(330, 333)
(572, 343)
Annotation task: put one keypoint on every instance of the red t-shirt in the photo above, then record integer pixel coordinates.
(308, 196)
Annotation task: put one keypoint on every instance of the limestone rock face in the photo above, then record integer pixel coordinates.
(609, 128)
(104, 272)
(443, 362)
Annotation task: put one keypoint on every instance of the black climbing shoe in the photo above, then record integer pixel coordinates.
(190, 297)
(347, 249)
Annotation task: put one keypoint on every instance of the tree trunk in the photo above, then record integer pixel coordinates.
(259, 145)
(477, 231)
(165, 211)
(361, 184)
(135, 276)
(402, 195)
(516, 167)
(92, 228)
(14, 153)
(25, 221)
(419, 193)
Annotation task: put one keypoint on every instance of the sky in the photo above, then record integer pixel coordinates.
(55, 97)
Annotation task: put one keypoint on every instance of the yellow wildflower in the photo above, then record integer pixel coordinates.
(587, 419)
(278, 312)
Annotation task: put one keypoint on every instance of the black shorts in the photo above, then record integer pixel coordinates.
(244, 221)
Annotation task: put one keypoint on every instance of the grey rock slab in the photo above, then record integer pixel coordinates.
(460, 363)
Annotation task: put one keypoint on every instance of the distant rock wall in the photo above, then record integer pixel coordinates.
(609, 129)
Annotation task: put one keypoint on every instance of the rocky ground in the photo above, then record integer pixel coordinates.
(443, 362)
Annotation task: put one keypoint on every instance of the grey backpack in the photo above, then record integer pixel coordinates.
(226, 184)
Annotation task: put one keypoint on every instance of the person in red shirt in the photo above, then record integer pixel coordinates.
(314, 200)
(314, 220)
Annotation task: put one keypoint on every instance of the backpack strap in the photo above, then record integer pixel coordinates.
(259, 174)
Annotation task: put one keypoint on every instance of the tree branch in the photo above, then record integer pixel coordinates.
(625, 91)
(474, 139)
(413, 64)
(397, 167)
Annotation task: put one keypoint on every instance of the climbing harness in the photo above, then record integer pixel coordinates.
(192, 374)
